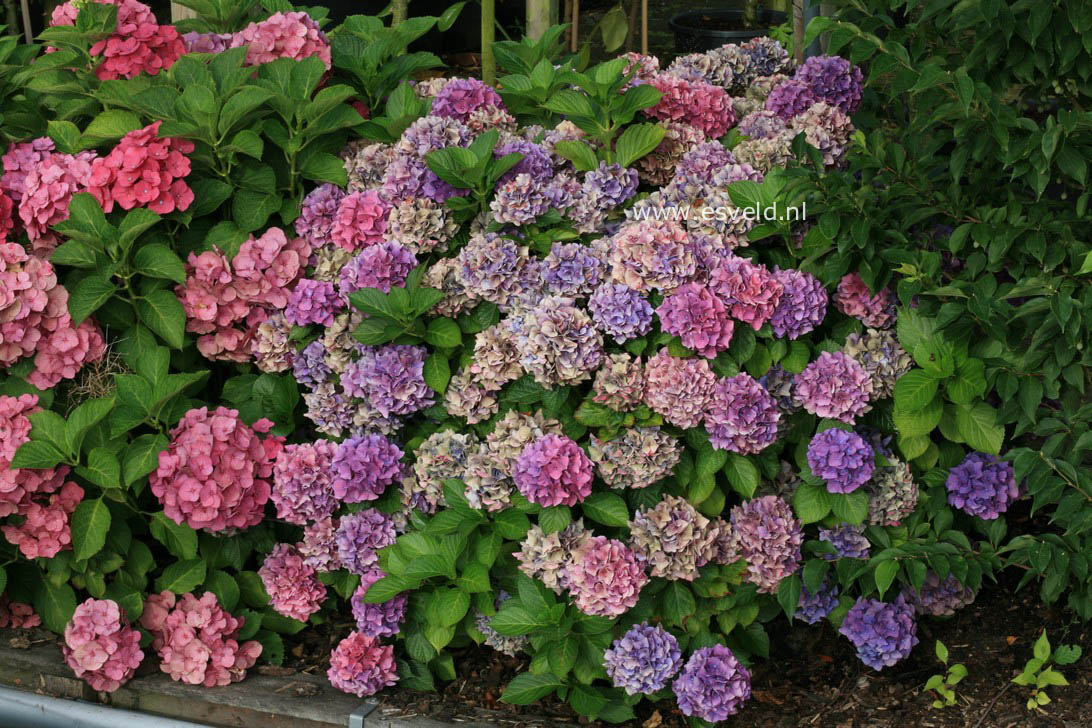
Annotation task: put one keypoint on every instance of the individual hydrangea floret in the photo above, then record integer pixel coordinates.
(293, 586)
(879, 352)
(652, 254)
(802, 305)
(377, 620)
(460, 97)
(143, 171)
(620, 312)
(313, 302)
(749, 291)
(742, 416)
(302, 489)
(360, 665)
(834, 80)
(713, 684)
(283, 35)
(557, 342)
(982, 485)
(391, 379)
(842, 458)
(939, 598)
(768, 536)
(680, 389)
(638, 458)
(818, 606)
(359, 537)
(100, 646)
(884, 633)
(698, 317)
(849, 542)
(643, 660)
(672, 539)
(604, 577)
(834, 386)
(853, 298)
(363, 467)
(360, 221)
(215, 473)
(552, 471)
(620, 383)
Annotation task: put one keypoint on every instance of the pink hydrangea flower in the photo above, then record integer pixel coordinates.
(225, 301)
(47, 189)
(17, 615)
(302, 482)
(647, 254)
(20, 158)
(361, 666)
(698, 318)
(7, 216)
(853, 298)
(604, 577)
(19, 486)
(45, 530)
(679, 389)
(197, 640)
(293, 586)
(361, 220)
(283, 35)
(144, 170)
(63, 353)
(750, 291)
(835, 386)
(215, 474)
(137, 44)
(100, 646)
(552, 471)
(699, 104)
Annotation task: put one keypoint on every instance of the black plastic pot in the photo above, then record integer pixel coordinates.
(703, 30)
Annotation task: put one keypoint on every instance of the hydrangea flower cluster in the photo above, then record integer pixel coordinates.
(853, 298)
(620, 312)
(292, 584)
(638, 458)
(982, 485)
(505, 644)
(143, 170)
(283, 35)
(698, 317)
(678, 388)
(100, 646)
(302, 489)
(834, 386)
(892, 495)
(818, 606)
(552, 471)
(643, 660)
(360, 665)
(363, 467)
(377, 620)
(713, 684)
(137, 45)
(849, 542)
(742, 416)
(672, 538)
(697, 103)
(878, 351)
(17, 615)
(884, 633)
(359, 537)
(769, 537)
(842, 458)
(604, 577)
(939, 598)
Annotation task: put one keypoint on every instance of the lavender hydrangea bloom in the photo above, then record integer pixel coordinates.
(761, 124)
(643, 659)
(610, 185)
(489, 268)
(791, 98)
(802, 306)
(713, 684)
(391, 379)
(363, 467)
(536, 160)
(769, 537)
(817, 606)
(207, 42)
(620, 312)
(835, 386)
(552, 471)
(696, 169)
(833, 79)
(849, 542)
(462, 96)
(313, 302)
(843, 459)
(572, 269)
(742, 416)
(429, 133)
(519, 200)
(698, 317)
(982, 485)
(317, 214)
(939, 598)
(883, 633)
(359, 537)
(377, 620)
(383, 266)
(309, 365)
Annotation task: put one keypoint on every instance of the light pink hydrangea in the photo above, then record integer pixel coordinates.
(45, 530)
(225, 301)
(694, 314)
(853, 298)
(293, 586)
(18, 486)
(360, 221)
(137, 44)
(100, 646)
(283, 35)
(20, 158)
(604, 577)
(679, 389)
(144, 170)
(362, 666)
(552, 471)
(197, 640)
(834, 386)
(47, 189)
(699, 104)
(215, 474)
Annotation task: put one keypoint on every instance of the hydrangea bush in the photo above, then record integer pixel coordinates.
(517, 368)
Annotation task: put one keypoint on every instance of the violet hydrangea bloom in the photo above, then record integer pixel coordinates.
(317, 214)
(713, 684)
(849, 542)
(843, 459)
(834, 386)
(817, 606)
(207, 42)
(742, 416)
(982, 485)
(834, 80)
(361, 666)
(572, 269)
(100, 646)
(790, 98)
(301, 482)
(313, 302)
(768, 536)
(557, 342)
(383, 266)
(610, 185)
(309, 365)
(802, 306)
(377, 620)
(363, 467)
(680, 389)
(604, 577)
(489, 267)
(359, 537)
(884, 633)
(552, 471)
(536, 160)
(390, 378)
(293, 586)
(461, 96)
(694, 314)
(620, 312)
(643, 659)
(761, 124)
(939, 598)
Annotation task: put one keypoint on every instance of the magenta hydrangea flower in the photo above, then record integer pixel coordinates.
(363, 467)
(100, 646)
(742, 416)
(939, 598)
(802, 305)
(982, 485)
(699, 104)
(283, 35)
(143, 170)
(680, 389)
(215, 473)
(138, 43)
(713, 684)
(790, 98)
(552, 471)
(604, 577)
(834, 386)
(620, 312)
(768, 536)
(843, 459)
(749, 291)
(462, 96)
(377, 620)
(390, 379)
(359, 537)
(853, 298)
(361, 666)
(293, 586)
(694, 314)
(834, 80)
(313, 302)
(849, 542)
(818, 606)
(302, 489)
(643, 660)
(648, 254)
(883, 633)
(360, 221)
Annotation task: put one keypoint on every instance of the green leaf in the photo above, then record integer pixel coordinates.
(272, 645)
(579, 153)
(1041, 649)
(515, 620)
(917, 422)
(75, 253)
(88, 296)
(55, 604)
(224, 587)
(83, 418)
(742, 475)
(437, 372)
(885, 575)
(527, 688)
(102, 468)
(447, 606)
(1067, 654)
(678, 602)
(788, 595)
(180, 539)
(36, 454)
(181, 576)
(584, 699)
(90, 524)
(159, 261)
(443, 333)
(811, 503)
(65, 135)
(849, 507)
(110, 125)
(637, 141)
(555, 518)
(978, 426)
(324, 167)
(915, 390)
(142, 457)
(606, 508)
(942, 652)
(162, 312)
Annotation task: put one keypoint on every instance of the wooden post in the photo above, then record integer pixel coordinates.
(399, 12)
(489, 65)
(26, 21)
(798, 31)
(574, 38)
(541, 14)
(631, 24)
(644, 27)
(181, 12)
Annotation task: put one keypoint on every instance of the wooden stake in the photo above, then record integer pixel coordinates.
(644, 27)
(181, 12)
(489, 65)
(631, 28)
(574, 45)
(798, 30)
(26, 21)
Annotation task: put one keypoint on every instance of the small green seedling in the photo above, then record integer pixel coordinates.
(1038, 673)
(941, 685)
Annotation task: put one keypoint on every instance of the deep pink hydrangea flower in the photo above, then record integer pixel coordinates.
(604, 577)
(137, 44)
(45, 530)
(361, 666)
(144, 170)
(302, 489)
(283, 35)
(679, 389)
(100, 646)
(742, 416)
(197, 640)
(853, 298)
(698, 318)
(361, 220)
(47, 189)
(699, 104)
(460, 97)
(552, 471)
(835, 386)
(293, 586)
(750, 291)
(225, 301)
(7, 216)
(215, 474)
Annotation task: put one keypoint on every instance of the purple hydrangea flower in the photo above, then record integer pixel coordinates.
(383, 266)
(765, 56)
(552, 471)
(391, 379)
(313, 302)
(317, 214)
(834, 386)
(309, 365)
(884, 633)
(359, 537)
(742, 416)
(461, 96)
(939, 598)
(832, 79)
(364, 466)
(982, 485)
(301, 482)
(817, 606)
(761, 124)
(843, 459)
(697, 167)
(536, 160)
(849, 542)
(643, 659)
(377, 620)
(572, 269)
(802, 306)
(207, 42)
(791, 98)
(620, 312)
(519, 200)
(489, 268)
(610, 185)
(698, 317)
(557, 342)
(769, 537)
(713, 684)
